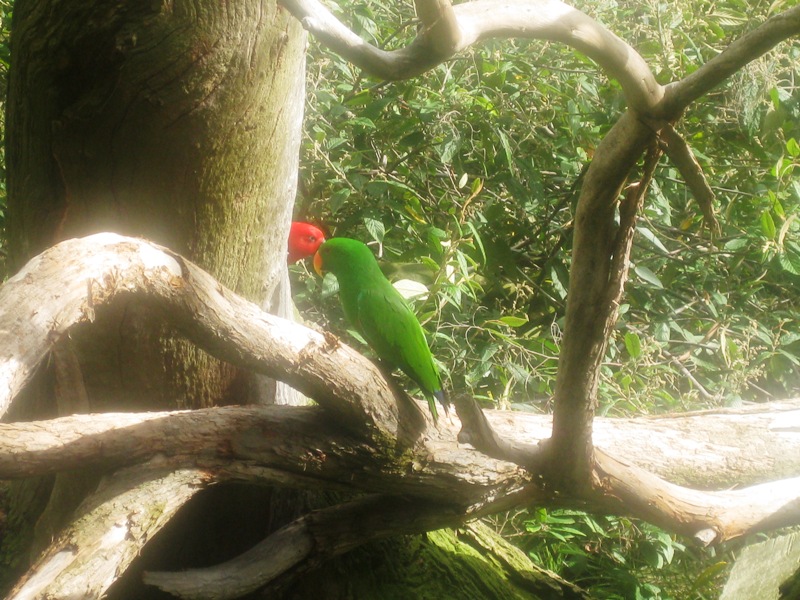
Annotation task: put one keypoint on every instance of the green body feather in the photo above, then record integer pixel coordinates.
(378, 311)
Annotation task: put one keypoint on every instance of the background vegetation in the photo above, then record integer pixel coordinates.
(466, 179)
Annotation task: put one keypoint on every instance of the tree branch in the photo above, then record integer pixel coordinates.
(681, 156)
(83, 274)
(477, 431)
(108, 532)
(301, 442)
(439, 26)
(708, 517)
(300, 447)
(458, 27)
(742, 51)
(628, 215)
(305, 544)
(588, 301)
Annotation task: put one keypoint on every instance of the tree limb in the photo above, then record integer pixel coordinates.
(108, 532)
(300, 442)
(278, 553)
(742, 51)
(304, 544)
(628, 215)
(480, 20)
(83, 274)
(439, 26)
(708, 517)
(681, 156)
(588, 300)
(300, 446)
(477, 431)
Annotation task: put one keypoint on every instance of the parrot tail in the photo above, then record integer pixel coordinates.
(441, 396)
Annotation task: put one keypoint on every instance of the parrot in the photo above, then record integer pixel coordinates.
(304, 240)
(381, 315)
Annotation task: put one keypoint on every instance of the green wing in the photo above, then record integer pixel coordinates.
(393, 331)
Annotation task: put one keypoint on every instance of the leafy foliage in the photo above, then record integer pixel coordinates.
(615, 557)
(471, 172)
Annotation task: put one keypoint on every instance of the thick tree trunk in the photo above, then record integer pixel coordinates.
(175, 121)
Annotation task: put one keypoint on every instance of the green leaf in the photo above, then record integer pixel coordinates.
(477, 184)
(793, 148)
(375, 228)
(338, 199)
(653, 239)
(633, 344)
(709, 574)
(330, 285)
(410, 289)
(477, 238)
(789, 262)
(449, 148)
(512, 321)
(648, 276)
(768, 225)
(363, 122)
(509, 154)
(559, 287)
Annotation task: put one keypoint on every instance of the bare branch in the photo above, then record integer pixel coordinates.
(680, 446)
(110, 528)
(323, 534)
(682, 157)
(472, 22)
(628, 215)
(708, 517)
(439, 26)
(477, 431)
(300, 446)
(246, 573)
(588, 300)
(301, 442)
(742, 51)
(306, 543)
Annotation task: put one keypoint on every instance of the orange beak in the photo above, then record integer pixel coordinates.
(318, 263)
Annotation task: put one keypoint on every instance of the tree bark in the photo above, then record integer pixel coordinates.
(174, 121)
(162, 121)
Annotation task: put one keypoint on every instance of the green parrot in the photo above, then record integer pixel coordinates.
(378, 311)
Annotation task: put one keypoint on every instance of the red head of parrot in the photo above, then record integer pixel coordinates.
(304, 240)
